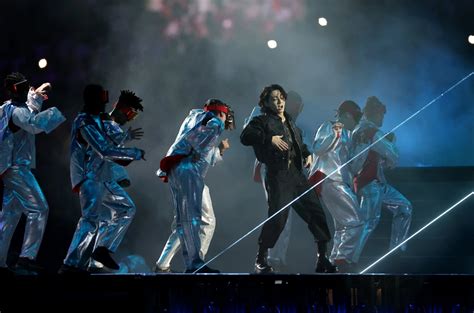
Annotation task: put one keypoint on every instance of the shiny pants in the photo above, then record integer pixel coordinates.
(107, 212)
(187, 186)
(22, 195)
(208, 225)
(339, 199)
(374, 197)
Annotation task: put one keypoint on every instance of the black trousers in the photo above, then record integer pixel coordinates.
(282, 187)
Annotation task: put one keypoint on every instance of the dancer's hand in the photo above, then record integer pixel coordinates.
(224, 145)
(280, 143)
(308, 161)
(136, 133)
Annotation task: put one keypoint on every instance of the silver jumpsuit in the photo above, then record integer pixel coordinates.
(196, 142)
(376, 193)
(330, 152)
(22, 194)
(107, 209)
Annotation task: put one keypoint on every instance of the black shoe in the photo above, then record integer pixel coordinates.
(261, 262)
(159, 270)
(102, 255)
(204, 269)
(344, 267)
(324, 265)
(26, 266)
(71, 270)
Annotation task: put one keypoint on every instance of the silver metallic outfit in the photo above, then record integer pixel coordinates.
(377, 193)
(22, 194)
(277, 254)
(107, 209)
(196, 142)
(208, 225)
(330, 152)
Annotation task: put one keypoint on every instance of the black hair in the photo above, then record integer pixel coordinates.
(129, 99)
(265, 95)
(93, 99)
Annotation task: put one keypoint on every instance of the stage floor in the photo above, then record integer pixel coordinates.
(237, 292)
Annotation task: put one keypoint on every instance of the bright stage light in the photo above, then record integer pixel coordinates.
(322, 21)
(272, 44)
(42, 63)
(471, 39)
(227, 23)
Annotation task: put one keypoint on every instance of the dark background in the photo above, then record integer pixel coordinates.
(176, 54)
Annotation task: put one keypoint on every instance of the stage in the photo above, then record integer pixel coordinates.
(237, 292)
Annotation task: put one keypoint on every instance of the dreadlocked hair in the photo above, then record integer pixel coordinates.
(129, 99)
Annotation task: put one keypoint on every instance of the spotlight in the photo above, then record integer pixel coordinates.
(471, 39)
(322, 21)
(227, 23)
(272, 44)
(42, 63)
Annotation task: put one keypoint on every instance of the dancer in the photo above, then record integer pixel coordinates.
(369, 180)
(331, 148)
(185, 167)
(20, 119)
(91, 149)
(278, 144)
(277, 254)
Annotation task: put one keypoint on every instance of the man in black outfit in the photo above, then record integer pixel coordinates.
(278, 144)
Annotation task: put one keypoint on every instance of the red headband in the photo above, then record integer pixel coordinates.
(217, 107)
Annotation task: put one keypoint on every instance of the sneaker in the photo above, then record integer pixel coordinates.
(205, 269)
(102, 255)
(159, 270)
(26, 266)
(324, 265)
(71, 270)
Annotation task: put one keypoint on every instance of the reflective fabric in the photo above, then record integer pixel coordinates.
(91, 148)
(331, 152)
(375, 196)
(341, 202)
(22, 195)
(18, 148)
(107, 211)
(377, 193)
(197, 139)
(208, 225)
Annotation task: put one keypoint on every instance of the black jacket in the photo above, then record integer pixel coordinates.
(258, 134)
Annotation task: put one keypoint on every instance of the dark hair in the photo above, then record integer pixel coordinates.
(374, 105)
(350, 107)
(94, 103)
(129, 99)
(13, 79)
(294, 104)
(267, 91)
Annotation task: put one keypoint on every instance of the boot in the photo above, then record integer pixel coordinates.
(102, 255)
(324, 265)
(261, 263)
(26, 266)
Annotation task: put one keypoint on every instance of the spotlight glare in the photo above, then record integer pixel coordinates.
(227, 23)
(471, 39)
(42, 63)
(322, 21)
(272, 44)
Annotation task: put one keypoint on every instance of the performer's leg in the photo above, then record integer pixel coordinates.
(29, 196)
(90, 194)
(122, 210)
(343, 206)
(402, 212)
(9, 218)
(371, 197)
(208, 222)
(187, 188)
(169, 251)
